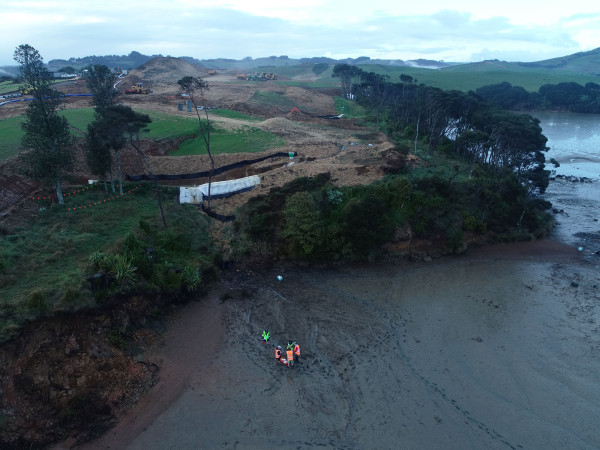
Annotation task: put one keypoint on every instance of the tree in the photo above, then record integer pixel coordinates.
(349, 76)
(303, 227)
(100, 81)
(47, 134)
(98, 154)
(120, 125)
(196, 89)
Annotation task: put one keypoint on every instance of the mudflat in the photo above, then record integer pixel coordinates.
(499, 348)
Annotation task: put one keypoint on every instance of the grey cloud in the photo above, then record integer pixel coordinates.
(220, 32)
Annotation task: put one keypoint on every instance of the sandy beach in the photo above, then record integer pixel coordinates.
(498, 348)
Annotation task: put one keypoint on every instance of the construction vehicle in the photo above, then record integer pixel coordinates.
(26, 89)
(241, 76)
(212, 72)
(138, 89)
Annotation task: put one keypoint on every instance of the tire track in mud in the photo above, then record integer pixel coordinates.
(393, 324)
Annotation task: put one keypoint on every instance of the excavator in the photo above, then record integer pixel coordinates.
(138, 89)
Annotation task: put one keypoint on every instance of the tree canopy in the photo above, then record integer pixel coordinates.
(47, 136)
(500, 141)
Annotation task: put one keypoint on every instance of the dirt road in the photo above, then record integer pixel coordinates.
(498, 349)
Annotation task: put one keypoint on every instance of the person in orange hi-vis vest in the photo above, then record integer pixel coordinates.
(297, 351)
(290, 357)
(278, 352)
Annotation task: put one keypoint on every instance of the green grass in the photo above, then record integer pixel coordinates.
(8, 86)
(472, 76)
(166, 126)
(246, 140)
(351, 110)
(10, 137)
(11, 132)
(274, 99)
(79, 119)
(163, 126)
(44, 265)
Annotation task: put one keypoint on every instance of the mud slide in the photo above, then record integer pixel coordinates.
(497, 349)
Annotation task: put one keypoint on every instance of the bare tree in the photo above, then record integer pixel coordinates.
(196, 88)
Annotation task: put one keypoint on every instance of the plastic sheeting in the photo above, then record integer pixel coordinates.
(218, 189)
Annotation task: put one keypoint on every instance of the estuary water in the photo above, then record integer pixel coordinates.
(574, 141)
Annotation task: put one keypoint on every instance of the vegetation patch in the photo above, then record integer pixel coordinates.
(246, 140)
(10, 136)
(469, 77)
(121, 241)
(274, 99)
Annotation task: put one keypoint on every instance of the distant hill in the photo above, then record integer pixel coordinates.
(582, 62)
(131, 61)
(136, 59)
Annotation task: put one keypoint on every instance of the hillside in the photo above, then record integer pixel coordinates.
(582, 62)
(136, 59)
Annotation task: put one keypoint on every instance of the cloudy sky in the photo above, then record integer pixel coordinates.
(458, 31)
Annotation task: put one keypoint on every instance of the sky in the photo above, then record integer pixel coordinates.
(456, 31)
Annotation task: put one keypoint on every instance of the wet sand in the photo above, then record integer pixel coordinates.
(499, 348)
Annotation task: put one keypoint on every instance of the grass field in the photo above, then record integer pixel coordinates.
(8, 86)
(43, 267)
(163, 126)
(247, 140)
(274, 99)
(10, 136)
(470, 77)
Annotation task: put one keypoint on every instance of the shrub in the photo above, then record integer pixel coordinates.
(471, 223)
(191, 278)
(97, 260)
(302, 226)
(120, 267)
(117, 339)
(37, 303)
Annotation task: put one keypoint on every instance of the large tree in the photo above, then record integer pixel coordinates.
(98, 156)
(195, 89)
(101, 83)
(47, 137)
(120, 125)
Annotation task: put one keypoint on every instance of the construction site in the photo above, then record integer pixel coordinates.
(303, 117)
(468, 351)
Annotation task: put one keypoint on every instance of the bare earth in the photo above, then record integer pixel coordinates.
(496, 349)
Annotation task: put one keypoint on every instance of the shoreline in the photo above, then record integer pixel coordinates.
(358, 324)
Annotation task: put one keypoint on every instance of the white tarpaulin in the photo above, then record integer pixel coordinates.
(195, 194)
